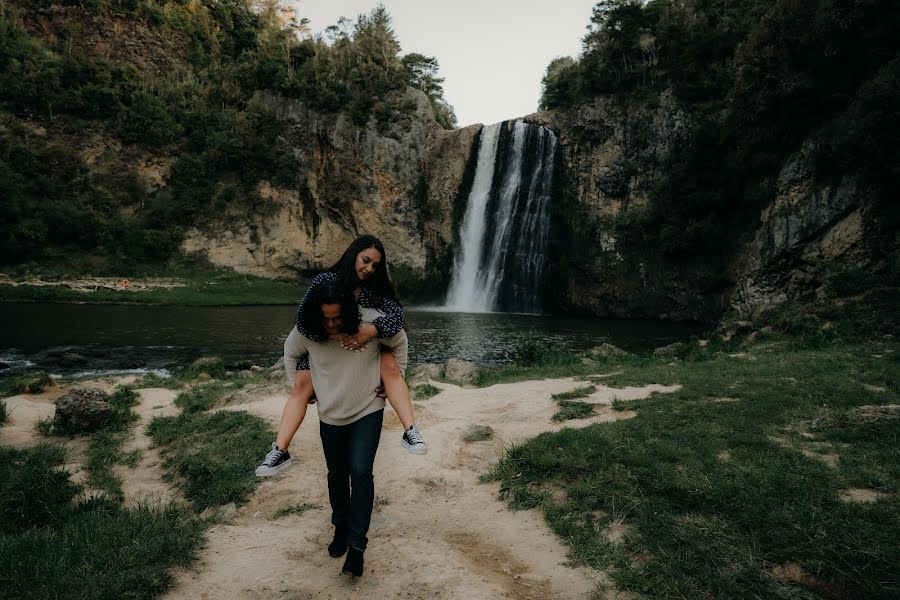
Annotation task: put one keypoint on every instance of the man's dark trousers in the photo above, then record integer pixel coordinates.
(350, 455)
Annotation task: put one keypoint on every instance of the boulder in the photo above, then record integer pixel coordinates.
(460, 371)
(422, 373)
(606, 350)
(670, 350)
(82, 411)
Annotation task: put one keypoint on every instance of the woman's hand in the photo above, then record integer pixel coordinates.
(357, 342)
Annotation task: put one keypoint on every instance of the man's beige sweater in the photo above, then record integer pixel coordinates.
(344, 380)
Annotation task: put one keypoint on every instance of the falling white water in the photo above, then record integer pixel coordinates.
(502, 253)
(463, 294)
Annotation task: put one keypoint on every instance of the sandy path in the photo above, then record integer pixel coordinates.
(144, 482)
(437, 532)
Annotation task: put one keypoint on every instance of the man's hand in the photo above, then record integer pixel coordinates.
(357, 342)
(379, 391)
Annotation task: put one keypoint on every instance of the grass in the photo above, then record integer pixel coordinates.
(425, 391)
(478, 433)
(715, 494)
(24, 383)
(201, 288)
(213, 455)
(4, 412)
(569, 410)
(105, 446)
(55, 547)
(582, 392)
(295, 509)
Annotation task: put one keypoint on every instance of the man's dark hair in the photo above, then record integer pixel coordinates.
(329, 292)
(379, 282)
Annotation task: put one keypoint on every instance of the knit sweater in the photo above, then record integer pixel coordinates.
(388, 323)
(344, 380)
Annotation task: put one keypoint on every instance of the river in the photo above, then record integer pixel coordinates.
(83, 339)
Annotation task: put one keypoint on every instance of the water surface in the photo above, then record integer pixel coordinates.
(80, 338)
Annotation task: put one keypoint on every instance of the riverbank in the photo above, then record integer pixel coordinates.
(766, 469)
(183, 288)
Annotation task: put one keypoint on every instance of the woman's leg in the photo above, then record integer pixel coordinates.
(396, 390)
(294, 409)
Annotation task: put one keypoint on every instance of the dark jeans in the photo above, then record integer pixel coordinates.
(350, 454)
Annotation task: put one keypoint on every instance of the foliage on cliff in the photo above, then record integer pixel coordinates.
(759, 78)
(93, 90)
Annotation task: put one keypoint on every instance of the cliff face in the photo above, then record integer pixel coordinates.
(400, 184)
(613, 154)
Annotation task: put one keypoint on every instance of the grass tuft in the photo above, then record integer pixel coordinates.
(425, 391)
(295, 509)
(24, 383)
(478, 433)
(569, 410)
(582, 392)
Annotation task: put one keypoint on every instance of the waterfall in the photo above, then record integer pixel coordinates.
(502, 253)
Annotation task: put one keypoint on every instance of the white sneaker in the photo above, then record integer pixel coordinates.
(275, 462)
(413, 442)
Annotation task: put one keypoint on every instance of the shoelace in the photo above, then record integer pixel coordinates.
(272, 457)
(414, 436)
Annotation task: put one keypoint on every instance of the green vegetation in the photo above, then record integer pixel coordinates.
(295, 509)
(757, 78)
(582, 392)
(24, 383)
(569, 410)
(4, 413)
(201, 288)
(213, 454)
(182, 86)
(54, 546)
(715, 490)
(425, 391)
(478, 433)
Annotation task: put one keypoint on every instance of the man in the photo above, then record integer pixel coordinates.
(350, 410)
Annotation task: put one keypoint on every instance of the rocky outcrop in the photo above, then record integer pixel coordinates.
(613, 153)
(401, 184)
(806, 226)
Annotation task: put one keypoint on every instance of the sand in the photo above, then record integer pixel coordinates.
(437, 531)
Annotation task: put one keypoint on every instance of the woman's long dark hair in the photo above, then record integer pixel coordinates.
(329, 292)
(379, 282)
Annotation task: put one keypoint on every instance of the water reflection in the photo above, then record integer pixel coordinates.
(134, 336)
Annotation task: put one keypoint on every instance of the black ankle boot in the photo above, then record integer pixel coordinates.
(339, 544)
(354, 562)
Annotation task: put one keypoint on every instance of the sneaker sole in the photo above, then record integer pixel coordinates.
(414, 449)
(269, 471)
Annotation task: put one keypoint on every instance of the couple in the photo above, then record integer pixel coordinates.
(332, 350)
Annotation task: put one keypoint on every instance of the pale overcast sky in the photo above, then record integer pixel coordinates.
(492, 53)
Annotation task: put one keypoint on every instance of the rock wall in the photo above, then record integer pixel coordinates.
(612, 156)
(401, 184)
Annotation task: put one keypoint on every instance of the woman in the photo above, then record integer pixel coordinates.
(362, 268)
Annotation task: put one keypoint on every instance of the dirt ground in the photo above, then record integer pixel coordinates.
(437, 532)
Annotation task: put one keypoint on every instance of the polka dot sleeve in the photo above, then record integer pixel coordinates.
(393, 320)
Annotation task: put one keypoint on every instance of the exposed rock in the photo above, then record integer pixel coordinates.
(402, 185)
(207, 364)
(424, 372)
(670, 350)
(82, 410)
(606, 349)
(462, 372)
